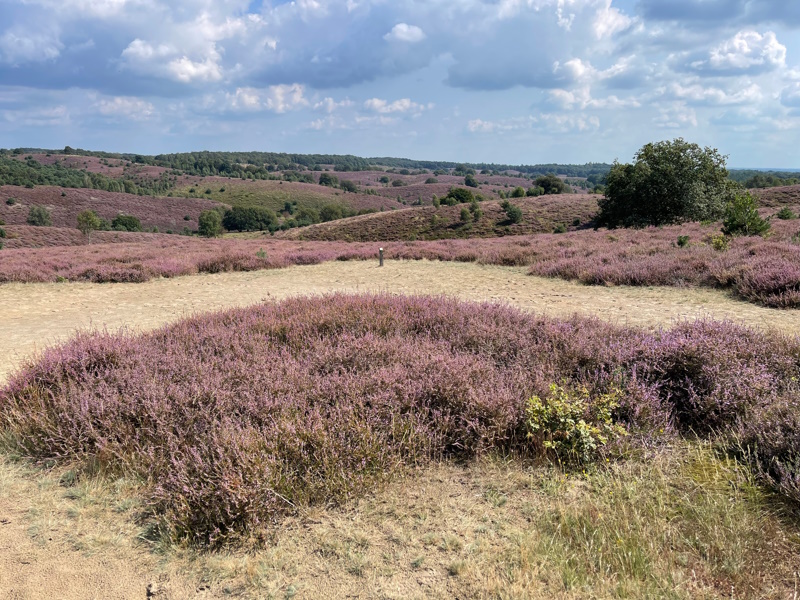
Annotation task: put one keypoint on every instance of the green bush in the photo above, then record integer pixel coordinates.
(519, 192)
(11, 201)
(466, 216)
(431, 180)
(2, 232)
(40, 216)
(786, 214)
(742, 218)
(560, 228)
(572, 425)
(126, 223)
(683, 241)
(513, 212)
(88, 221)
(720, 242)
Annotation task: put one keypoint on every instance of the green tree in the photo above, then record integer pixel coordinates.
(469, 181)
(251, 218)
(513, 212)
(40, 216)
(328, 179)
(126, 223)
(348, 186)
(669, 182)
(551, 184)
(209, 223)
(458, 196)
(742, 218)
(88, 221)
(330, 212)
(519, 192)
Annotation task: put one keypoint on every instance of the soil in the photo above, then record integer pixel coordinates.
(46, 562)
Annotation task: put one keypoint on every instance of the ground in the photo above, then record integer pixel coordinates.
(80, 542)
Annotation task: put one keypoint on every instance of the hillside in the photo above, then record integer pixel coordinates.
(540, 215)
(64, 205)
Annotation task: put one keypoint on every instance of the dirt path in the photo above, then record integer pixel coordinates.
(48, 564)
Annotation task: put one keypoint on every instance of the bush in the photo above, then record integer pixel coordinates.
(670, 182)
(458, 196)
(469, 181)
(513, 212)
(786, 214)
(572, 425)
(348, 186)
(535, 191)
(519, 192)
(11, 201)
(551, 184)
(126, 223)
(742, 218)
(683, 241)
(328, 179)
(398, 183)
(330, 212)
(720, 242)
(40, 216)
(2, 232)
(466, 215)
(431, 180)
(251, 218)
(209, 224)
(560, 228)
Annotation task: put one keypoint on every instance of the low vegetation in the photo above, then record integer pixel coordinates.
(232, 421)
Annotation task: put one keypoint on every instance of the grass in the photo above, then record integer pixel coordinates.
(679, 521)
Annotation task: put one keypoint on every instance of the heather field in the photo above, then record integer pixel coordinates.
(64, 205)
(28, 236)
(237, 424)
(764, 271)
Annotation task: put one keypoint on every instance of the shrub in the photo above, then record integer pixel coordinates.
(328, 179)
(208, 190)
(720, 242)
(2, 232)
(560, 228)
(398, 183)
(786, 214)
(431, 180)
(535, 191)
(348, 186)
(469, 181)
(683, 241)
(126, 223)
(209, 224)
(519, 192)
(11, 201)
(551, 184)
(187, 218)
(466, 215)
(40, 216)
(458, 196)
(331, 212)
(669, 182)
(742, 218)
(251, 218)
(571, 424)
(513, 212)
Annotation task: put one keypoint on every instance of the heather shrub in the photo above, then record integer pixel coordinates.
(235, 419)
(572, 424)
(683, 241)
(720, 242)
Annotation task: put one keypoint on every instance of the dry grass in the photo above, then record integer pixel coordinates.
(678, 522)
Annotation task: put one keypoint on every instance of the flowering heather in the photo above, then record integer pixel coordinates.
(162, 212)
(234, 419)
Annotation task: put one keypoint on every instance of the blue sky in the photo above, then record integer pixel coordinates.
(512, 81)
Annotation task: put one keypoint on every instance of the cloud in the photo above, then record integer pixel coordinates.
(692, 10)
(697, 94)
(610, 21)
(129, 108)
(404, 105)
(675, 115)
(790, 96)
(748, 52)
(502, 126)
(403, 32)
(330, 105)
(277, 98)
(19, 46)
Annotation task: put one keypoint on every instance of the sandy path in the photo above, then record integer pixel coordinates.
(36, 315)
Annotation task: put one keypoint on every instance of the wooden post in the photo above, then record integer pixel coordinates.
(380, 256)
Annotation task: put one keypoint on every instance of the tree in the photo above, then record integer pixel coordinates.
(251, 218)
(742, 218)
(348, 186)
(88, 221)
(513, 212)
(126, 223)
(469, 181)
(519, 192)
(458, 196)
(669, 182)
(330, 212)
(40, 216)
(209, 223)
(551, 184)
(328, 179)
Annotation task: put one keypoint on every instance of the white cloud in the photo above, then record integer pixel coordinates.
(330, 105)
(501, 126)
(569, 122)
(276, 98)
(403, 105)
(676, 116)
(790, 96)
(610, 21)
(402, 32)
(54, 116)
(131, 108)
(581, 98)
(185, 70)
(696, 93)
(747, 51)
(18, 47)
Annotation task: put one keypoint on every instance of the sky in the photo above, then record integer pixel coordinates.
(503, 81)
